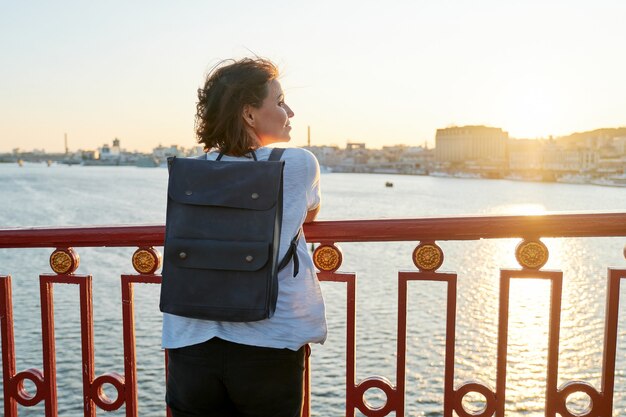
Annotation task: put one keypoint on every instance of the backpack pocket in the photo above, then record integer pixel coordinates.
(217, 254)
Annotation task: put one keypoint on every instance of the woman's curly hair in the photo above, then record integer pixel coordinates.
(230, 86)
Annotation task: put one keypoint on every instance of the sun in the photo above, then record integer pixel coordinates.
(534, 108)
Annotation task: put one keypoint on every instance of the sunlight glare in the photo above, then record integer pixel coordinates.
(528, 340)
(521, 209)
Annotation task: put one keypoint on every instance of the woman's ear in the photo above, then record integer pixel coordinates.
(248, 115)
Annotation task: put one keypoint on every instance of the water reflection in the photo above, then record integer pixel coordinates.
(521, 208)
(528, 341)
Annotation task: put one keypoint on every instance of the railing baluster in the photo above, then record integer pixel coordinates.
(450, 344)
(64, 262)
(328, 258)
(556, 280)
(428, 257)
(146, 260)
(556, 295)
(49, 349)
(130, 364)
(610, 337)
(128, 326)
(403, 278)
(351, 393)
(84, 283)
(86, 333)
(450, 279)
(8, 344)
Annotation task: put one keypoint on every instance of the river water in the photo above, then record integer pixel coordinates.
(37, 195)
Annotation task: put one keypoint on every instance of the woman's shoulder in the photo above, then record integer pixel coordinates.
(289, 154)
(301, 163)
(299, 154)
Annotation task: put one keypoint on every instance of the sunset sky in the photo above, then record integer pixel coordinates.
(366, 71)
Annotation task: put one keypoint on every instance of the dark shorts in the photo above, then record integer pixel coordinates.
(220, 378)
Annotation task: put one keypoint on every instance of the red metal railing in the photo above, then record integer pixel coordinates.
(531, 253)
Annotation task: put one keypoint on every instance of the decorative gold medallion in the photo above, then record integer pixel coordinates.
(146, 260)
(531, 254)
(327, 258)
(428, 256)
(64, 261)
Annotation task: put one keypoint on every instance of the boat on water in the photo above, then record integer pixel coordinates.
(466, 175)
(70, 161)
(574, 179)
(525, 178)
(610, 181)
(147, 162)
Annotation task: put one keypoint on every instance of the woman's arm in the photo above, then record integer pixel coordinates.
(312, 214)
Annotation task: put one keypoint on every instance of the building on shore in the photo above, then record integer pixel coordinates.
(327, 156)
(480, 147)
(356, 157)
(526, 155)
(568, 158)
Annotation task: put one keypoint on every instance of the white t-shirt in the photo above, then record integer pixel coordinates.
(300, 314)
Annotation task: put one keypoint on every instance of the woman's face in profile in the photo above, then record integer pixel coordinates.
(270, 122)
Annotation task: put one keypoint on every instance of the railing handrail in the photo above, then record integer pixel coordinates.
(382, 230)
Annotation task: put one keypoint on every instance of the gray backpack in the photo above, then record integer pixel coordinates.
(222, 235)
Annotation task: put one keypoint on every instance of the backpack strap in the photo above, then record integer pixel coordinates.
(170, 162)
(292, 253)
(276, 154)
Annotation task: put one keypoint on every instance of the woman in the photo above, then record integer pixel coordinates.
(255, 368)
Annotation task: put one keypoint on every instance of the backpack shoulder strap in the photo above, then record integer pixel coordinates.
(170, 162)
(292, 253)
(276, 154)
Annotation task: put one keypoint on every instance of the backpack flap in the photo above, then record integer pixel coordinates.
(211, 183)
(217, 254)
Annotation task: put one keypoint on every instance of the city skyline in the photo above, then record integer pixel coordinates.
(429, 144)
(352, 71)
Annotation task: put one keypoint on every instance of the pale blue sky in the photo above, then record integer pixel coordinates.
(352, 70)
